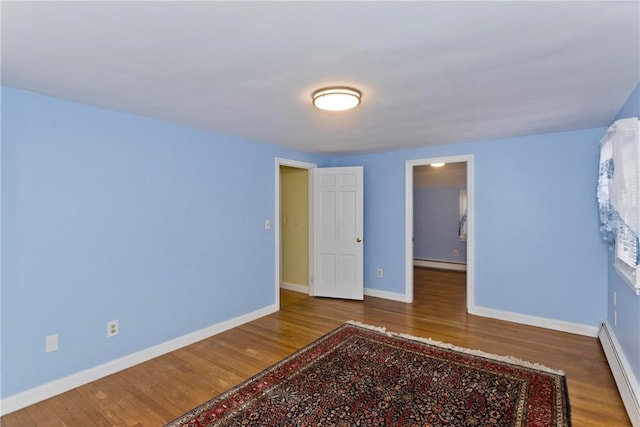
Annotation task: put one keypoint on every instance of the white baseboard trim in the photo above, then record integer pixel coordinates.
(394, 296)
(442, 265)
(45, 391)
(295, 287)
(541, 322)
(625, 380)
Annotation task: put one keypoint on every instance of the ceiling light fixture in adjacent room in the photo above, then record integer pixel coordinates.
(336, 98)
(437, 165)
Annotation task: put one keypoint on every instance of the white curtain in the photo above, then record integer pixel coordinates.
(462, 226)
(619, 187)
(625, 182)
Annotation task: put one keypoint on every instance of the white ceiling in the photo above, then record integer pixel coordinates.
(431, 72)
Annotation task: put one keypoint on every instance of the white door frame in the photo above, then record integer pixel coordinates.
(409, 165)
(277, 219)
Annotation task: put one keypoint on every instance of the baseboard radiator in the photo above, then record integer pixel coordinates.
(622, 373)
(441, 265)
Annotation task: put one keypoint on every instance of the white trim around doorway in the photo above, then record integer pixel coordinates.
(300, 165)
(409, 165)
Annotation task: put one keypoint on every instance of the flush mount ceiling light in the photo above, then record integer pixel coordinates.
(336, 98)
(437, 165)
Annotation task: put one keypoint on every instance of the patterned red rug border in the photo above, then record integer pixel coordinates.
(507, 359)
(564, 417)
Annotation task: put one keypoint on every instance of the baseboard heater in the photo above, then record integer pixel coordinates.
(622, 373)
(442, 265)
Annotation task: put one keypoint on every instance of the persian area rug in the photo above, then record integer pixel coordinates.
(359, 375)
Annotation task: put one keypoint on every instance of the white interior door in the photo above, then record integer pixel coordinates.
(337, 237)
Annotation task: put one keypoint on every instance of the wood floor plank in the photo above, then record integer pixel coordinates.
(19, 418)
(37, 415)
(162, 389)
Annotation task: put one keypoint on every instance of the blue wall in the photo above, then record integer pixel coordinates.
(436, 217)
(113, 216)
(538, 250)
(628, 304)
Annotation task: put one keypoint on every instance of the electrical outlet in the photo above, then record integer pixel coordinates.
(379, 272)
(267, 224)
(456, 253)
(113, 328)
(51, 343)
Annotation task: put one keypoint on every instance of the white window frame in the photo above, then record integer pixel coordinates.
(629, 273)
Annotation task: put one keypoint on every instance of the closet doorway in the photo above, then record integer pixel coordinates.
(293, 225)
(294, 228)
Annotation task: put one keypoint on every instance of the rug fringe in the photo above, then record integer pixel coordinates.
(365, 326)
(480, 353)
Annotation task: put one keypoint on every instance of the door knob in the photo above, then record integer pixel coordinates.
(358, 239)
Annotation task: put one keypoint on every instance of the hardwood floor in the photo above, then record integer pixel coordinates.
(157, 391)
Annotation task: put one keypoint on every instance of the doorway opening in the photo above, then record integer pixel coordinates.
(293, 227)
(460, 241)
(334, 228)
